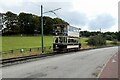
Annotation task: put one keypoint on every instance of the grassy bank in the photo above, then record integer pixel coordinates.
(31, 44)
(16, 43)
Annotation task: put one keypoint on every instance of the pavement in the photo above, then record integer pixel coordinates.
(83, 64)
(111, 69)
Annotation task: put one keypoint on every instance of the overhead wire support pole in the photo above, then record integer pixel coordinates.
(52, 11)
(42, 29)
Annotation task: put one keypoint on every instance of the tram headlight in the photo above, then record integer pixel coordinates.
(56, 33)
(56, 46)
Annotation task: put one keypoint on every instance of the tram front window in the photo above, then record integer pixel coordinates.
(56, 40)
(60, 30)
(61, 40)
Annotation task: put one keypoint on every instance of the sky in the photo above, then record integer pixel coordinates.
(91, 15)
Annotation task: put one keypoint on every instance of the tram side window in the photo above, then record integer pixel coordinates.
(0, 21)
(73, 29)
(72, 41)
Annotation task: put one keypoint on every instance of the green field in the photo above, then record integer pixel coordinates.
(17, 42)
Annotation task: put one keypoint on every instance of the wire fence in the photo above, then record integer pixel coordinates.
(25, 52)
(34, 51)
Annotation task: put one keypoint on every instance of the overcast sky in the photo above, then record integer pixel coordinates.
(87, 14)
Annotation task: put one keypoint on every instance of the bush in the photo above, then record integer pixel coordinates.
(97, 40)
(114, 42)
(118, 36)
(109, 37)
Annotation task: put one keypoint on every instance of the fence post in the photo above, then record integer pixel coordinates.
(21, 50)
(11, 51)
(38, 49)
(30, 49)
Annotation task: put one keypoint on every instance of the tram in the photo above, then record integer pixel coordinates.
(66, 38)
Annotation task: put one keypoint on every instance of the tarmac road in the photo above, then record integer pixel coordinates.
(83, 64)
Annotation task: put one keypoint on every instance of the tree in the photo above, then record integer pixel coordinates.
(27, 23)
(109, 37)
(11, 22)
(59, 21)
(85, 33)
(37, 27)
(48, 25)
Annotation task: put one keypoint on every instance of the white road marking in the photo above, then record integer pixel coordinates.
(113, 60)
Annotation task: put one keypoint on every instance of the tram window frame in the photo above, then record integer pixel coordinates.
(75, 40)
(60, 40)
(73, 29)
(63, 39)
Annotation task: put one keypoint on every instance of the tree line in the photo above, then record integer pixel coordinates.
(29, 24)
(106, 35)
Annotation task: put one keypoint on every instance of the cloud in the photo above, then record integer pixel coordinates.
(75, 18)
(104, 21)
(75, 14)
(31, 6)
(66, 12)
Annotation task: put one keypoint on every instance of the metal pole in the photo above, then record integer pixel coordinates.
(100, 30)
(42, 29)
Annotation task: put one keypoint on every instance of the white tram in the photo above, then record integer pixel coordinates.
(66, 38)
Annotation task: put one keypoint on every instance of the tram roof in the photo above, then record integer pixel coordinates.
(64, 25)
(61, 25)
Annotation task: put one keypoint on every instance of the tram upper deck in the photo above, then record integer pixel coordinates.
(66, 30)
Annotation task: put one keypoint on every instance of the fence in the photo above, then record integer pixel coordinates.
(25, 52)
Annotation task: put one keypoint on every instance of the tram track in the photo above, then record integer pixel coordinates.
(4, 62)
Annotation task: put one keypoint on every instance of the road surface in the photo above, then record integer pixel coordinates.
(84, 64)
